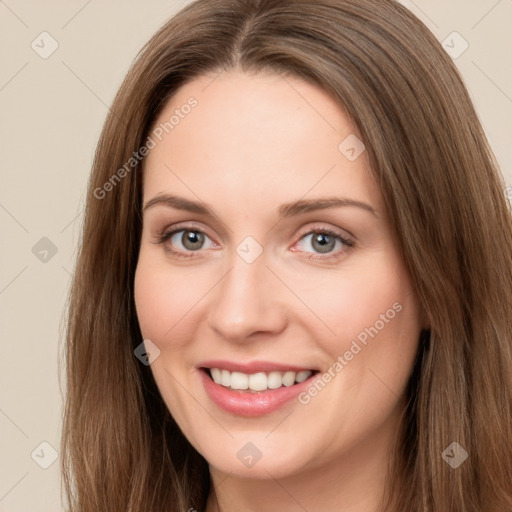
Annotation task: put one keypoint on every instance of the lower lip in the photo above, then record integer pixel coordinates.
(246, 403)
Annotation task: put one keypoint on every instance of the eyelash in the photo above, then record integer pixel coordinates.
(164, 236)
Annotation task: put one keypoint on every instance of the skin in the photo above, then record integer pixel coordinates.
(252, 143)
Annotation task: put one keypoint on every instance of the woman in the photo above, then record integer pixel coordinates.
(294, 286)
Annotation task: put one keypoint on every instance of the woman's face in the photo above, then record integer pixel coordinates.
(266, 254)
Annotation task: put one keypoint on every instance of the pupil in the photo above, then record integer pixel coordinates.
(192, 240)
(326, 242)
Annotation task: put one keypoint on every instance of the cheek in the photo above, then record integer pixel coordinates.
(165, 299)
(374, 327)
(154, 305)
(360, 304)
(164, 317)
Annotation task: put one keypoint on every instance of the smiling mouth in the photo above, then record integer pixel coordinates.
(257, 382)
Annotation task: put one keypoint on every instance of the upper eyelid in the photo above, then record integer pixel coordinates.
(186, 226)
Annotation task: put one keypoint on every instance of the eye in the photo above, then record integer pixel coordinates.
(324, 241)
(188, 241)
(183, 241)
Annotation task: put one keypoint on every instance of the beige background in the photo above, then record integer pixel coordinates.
(52, 111)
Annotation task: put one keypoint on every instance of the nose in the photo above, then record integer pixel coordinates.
(247, 301)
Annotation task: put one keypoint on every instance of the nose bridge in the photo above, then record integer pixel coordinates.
(246, 300)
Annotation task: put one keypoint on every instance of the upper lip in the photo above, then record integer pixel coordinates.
(253, 366)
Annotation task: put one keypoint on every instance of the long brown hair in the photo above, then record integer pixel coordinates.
(121, 449)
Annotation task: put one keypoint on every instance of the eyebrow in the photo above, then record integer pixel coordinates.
(286, 210)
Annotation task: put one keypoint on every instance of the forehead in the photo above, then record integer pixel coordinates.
(251, 138)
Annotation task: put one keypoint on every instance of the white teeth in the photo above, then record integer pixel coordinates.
(216, 375)
(302, 376)
(274, 380)
(239, 380)
(289, 379)
(225, 378)
(258, 381)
